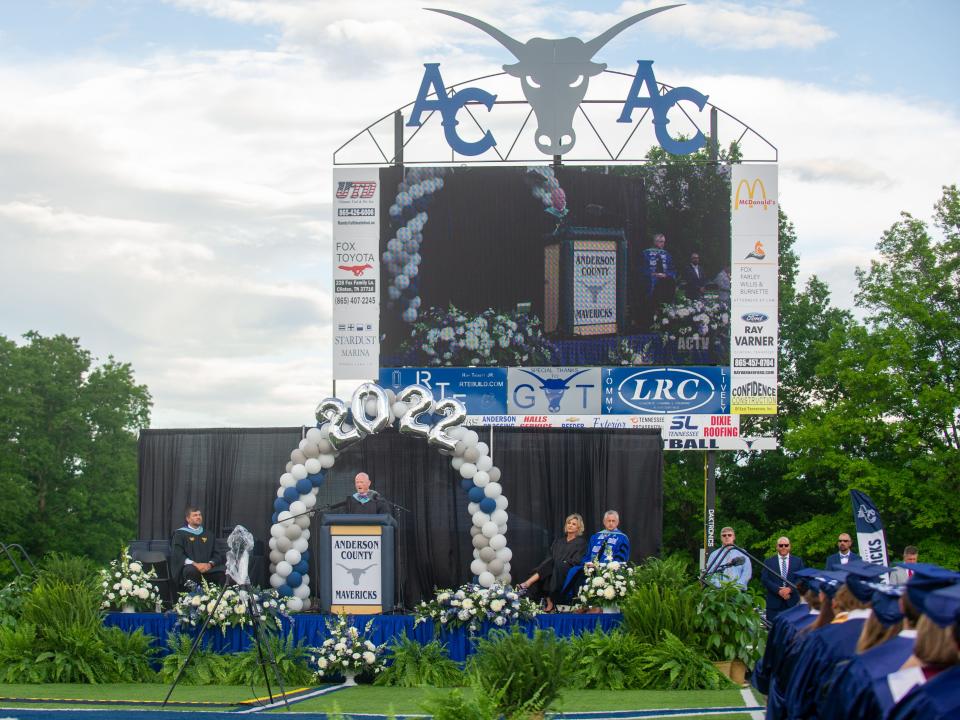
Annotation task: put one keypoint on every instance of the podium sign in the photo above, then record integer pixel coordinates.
(356, 571)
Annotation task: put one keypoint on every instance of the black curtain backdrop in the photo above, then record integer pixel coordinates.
(233, 475)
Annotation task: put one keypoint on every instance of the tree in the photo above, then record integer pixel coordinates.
(886, 419)
(68, 447)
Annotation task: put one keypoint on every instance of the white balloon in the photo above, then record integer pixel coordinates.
(502, 503)
(280, 491)
(288, 467)
(284, 568)
(277, 531)
(399, 409)
(477, 567)
(502, 528)
(276, 556)
(489, 529)
(506, 567)
(286, 480)
(460, 448)
(292, 556)
(303, 521)
(481, 479)
(479, 541)
(499, 516)
(301, 592)
(306, 579)
(498, 542)
(467, 470)
(492, 490)
(276, 581)
(284, 543)
(272, 543)
(476, 554)
(474, 531)
(480, 518)
(273, 568)
(494, 474)
(471, 455)
(309, 448)
(284, 518)
(310, 500)
(505, 578)
(470, 437)
(456, 463)
(486, 579)
(484, 463)
(314, 435)
(473, 508)
(294, 604)
(327, 461)
(457, 432)
(325, 430)
(313, 465)
(297, 457)
(487, 553)
(483, 449)
(299, 472)
(495, 566)
(505, 554)
(300, 545)
(306, 535)
(293, 531)
(297, 507)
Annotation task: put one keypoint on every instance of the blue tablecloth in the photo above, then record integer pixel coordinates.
(311, 629)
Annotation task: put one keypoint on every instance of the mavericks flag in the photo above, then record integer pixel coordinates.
(870, 541)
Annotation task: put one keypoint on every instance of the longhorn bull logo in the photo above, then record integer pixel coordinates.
(554, 388)
(554, 75)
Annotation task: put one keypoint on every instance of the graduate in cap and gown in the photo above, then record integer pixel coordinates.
(939, 697)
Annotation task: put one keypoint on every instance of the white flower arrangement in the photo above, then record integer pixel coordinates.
(471, 605)
(705, 319)
(605, 584)
(126, 582)
(347, 650)
(194, 606)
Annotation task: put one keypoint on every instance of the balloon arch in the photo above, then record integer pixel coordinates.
(414, 412)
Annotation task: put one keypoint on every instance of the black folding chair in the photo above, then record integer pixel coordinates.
(160, 562)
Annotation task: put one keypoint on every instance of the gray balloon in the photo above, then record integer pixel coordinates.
(365, 425)
(456, 413)
(419, 400)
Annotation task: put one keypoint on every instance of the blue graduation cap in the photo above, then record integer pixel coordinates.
(831, 581)
(927, 578)
(943, 606)
(859, 577)
(886, 603)
(809, 576)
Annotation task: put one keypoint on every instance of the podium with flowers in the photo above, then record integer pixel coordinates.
(357, 563)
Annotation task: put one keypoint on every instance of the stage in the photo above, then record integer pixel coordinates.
(310, 628)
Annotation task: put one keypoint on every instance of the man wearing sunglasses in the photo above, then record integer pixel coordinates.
(839, 559)
(778, 572)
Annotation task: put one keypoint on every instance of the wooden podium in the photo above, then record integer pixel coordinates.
(585, 281)
(357, 563)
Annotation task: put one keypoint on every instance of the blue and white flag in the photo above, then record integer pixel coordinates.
(870, 540)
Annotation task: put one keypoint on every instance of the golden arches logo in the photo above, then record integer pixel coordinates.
(752, 200)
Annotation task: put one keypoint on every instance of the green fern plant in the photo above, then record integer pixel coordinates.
(206, 667)
(69, 569)
(292, 661)
(18, 655)
(602, 661)
(672, 572)
(671, 664)
(651, 609)
(410, 664)
(129, 655)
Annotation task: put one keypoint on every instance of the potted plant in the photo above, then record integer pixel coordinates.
(729, 628)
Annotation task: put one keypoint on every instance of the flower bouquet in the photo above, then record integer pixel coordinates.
(194, 606)
(701, 324)
(127, 585)
(605, 584)
(471, 605)
(347, 651)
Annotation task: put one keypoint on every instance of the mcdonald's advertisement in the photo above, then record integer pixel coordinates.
(586, 267)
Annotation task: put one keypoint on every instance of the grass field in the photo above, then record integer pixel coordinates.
(361, 699)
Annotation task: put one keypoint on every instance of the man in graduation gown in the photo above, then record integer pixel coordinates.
(365, 501)
(195, 554)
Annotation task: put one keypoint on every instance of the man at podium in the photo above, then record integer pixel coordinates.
(365, 501)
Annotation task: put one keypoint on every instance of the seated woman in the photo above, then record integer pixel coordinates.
(565, 552)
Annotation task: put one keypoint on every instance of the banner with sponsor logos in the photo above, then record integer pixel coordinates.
(754, 289)
(356, 273)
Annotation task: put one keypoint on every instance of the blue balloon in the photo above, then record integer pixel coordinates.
(301, 567)
(294, 579)
(285, 591)
(290, 494)
(280, 505)
(304, 486)
(317, 479)
(274, 517)
(466, 484)
(488, 505)
(476, 494)
(305, 556)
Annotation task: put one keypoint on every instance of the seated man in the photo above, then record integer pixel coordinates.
(195, 554)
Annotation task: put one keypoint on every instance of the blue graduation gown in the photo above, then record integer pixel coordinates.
(851, 693)
(604, 546)
(936, 699)
(823, 650)
(784, 628)
(783, 670)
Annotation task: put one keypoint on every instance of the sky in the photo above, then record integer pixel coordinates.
(165, 165)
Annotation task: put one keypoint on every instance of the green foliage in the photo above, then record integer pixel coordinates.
(480, 705)
(12, 596)
(129, 655)
(728, 625)
(18, 654)
(68, 447)
(531, 671)
(602, 661)
(292, 662)
(653, 608)
(70, 569)
(672, 571)
(411, 664)
(672, 664)
(206, 666)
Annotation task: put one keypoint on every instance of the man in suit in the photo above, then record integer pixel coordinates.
(777, 572)
(900, 575)
(693, 278)
(839, 559)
